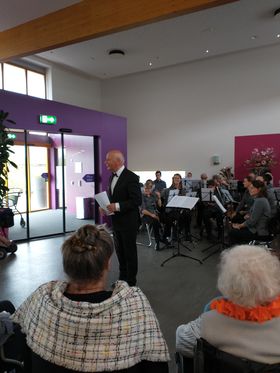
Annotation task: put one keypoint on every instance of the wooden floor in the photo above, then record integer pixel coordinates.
(177, 292)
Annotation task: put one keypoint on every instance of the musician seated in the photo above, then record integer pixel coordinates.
(149, 211)
(266, 179)
(200, 204)
(255, 225)
(212, 211)
(170, 215)
(245, 204)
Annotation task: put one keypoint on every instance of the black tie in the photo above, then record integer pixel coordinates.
(115, 174)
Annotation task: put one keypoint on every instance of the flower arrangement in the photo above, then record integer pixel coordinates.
(261, 160)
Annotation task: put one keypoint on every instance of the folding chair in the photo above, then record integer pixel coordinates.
(149, 230)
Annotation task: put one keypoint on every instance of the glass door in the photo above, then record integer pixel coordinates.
(45, 214)
(53, 183)
(78, 180)
(17, 197)
(39, 178)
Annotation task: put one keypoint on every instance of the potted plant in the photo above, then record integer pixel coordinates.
(5, 151)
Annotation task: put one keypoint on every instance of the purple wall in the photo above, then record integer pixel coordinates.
(111, 129)
(243, 149)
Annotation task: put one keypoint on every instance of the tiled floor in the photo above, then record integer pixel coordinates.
(177, 291)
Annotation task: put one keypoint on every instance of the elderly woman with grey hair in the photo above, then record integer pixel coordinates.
(245, 322)
(79, 326)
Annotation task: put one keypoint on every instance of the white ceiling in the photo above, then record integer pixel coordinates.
(229, 28)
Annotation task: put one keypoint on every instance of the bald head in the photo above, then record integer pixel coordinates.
(114, 160)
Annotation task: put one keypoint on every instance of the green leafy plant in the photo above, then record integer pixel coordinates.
(5, 152)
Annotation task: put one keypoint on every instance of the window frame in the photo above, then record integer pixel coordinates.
(26, 68)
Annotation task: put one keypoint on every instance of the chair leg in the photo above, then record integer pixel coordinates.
(149, 243)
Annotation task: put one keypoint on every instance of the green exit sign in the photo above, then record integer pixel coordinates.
(48, 119)
(12, 136)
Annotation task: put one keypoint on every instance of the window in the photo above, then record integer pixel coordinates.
(14, 78)
(23, 80)
(165, 175)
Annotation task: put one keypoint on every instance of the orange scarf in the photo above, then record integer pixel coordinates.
(257, 314)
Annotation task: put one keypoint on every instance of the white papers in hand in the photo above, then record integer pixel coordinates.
(221, 207)
(103, 200)
(183, 202)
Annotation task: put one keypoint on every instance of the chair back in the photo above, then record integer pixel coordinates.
(209, 359)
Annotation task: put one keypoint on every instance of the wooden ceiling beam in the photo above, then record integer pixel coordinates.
(90, 19)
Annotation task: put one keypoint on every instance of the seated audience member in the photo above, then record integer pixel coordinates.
(11, 338)
(182, 216)
(79, 326)
(158, 183)
(256, 222)
(149, 210)
(245, 204)
(245, 322)
(211, 209)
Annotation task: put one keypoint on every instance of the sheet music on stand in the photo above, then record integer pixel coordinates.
(183, 202)
(218, 203)
(191, 194)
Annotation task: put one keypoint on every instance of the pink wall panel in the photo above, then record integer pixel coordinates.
(243, 149)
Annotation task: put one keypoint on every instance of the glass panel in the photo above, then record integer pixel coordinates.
(39, 183)
(14, 78)
(79, 184)
(36, 84)
(17, 191)
(45, 215)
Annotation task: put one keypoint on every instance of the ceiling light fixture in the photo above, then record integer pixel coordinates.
(150, 63)
(207, 51)
(278, 36)
(116, 53)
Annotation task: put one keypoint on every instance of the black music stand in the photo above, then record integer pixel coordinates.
(179, 243)
(221, 241)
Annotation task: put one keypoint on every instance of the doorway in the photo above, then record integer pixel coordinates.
(55, 182)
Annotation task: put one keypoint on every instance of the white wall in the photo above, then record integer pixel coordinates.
(179, 117)
(75, 89)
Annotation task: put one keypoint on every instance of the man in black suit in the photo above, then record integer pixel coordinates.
(125, 197)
